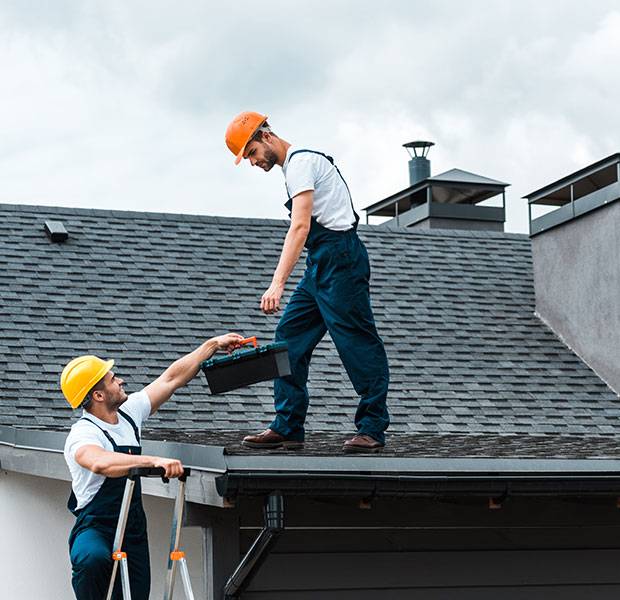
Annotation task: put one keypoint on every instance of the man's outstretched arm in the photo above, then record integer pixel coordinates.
(182, 371)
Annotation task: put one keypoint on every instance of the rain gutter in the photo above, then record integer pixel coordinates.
(220, 477)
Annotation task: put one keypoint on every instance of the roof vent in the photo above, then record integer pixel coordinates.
(56, 231)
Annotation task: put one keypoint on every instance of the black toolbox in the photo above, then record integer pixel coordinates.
(247, 366)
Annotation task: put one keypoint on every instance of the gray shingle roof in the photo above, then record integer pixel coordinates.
(455, 308)
(418, 445)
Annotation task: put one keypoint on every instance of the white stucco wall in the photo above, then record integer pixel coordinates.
(34, 553)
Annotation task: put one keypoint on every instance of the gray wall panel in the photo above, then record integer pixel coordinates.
(577, 281)
(454, 514)
(602, 592)
(466, 538)
(389, 570)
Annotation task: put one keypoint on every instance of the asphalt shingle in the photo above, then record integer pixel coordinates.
(455, 309)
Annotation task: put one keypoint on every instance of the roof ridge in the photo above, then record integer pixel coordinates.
(162, 216)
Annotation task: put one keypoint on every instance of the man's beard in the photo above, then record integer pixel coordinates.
(270, 160)
(119, 400)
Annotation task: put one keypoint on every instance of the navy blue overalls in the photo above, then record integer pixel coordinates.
(91, 539)
(333, 296)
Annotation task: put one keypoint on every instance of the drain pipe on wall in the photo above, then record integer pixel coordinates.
(273, 514)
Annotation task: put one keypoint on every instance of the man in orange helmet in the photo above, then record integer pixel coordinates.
(100, 449)
(333, 294)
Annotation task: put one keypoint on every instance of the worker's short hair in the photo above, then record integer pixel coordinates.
(89, 396)
(258, 135)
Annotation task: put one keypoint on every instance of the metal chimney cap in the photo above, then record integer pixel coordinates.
(419, 144)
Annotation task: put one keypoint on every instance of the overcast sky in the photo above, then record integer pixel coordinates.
(124, 103)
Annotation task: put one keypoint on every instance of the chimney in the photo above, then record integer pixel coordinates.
(450, 200)
(419, 165)
(575, 232)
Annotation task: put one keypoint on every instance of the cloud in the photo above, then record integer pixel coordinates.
(124, 104)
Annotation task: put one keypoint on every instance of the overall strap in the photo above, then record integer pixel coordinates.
(331, 160)
(110, 439)
(132, 423)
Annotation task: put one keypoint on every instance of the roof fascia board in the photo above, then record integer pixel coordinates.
(210, 458)
(372, 466)
(32, 461)
(232, 486)
(201, 487)
(207, 457)
(41, 439)
(467, 211)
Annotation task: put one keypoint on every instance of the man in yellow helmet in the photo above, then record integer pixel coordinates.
(333, 294)
(100, 449)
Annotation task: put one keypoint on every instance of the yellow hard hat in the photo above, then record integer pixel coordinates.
(80, 375)
(241, 130)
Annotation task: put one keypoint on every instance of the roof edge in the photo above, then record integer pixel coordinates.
(236, 221)
(109, 212)
(571, 177)
(371, 485)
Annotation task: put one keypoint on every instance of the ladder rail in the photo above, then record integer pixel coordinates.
(121, 525)
(175, 556)
(120, 534)
(125, 579)
(187, 584)
(175, 536)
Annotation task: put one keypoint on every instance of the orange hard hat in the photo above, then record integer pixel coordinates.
(80, 375)
(241, 130)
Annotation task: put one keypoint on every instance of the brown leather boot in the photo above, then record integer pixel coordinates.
(361, 444)
(269, 439)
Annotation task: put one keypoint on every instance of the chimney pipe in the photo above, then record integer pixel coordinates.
(449, 200)
(419, 165)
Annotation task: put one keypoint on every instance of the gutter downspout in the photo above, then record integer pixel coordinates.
(273, 513)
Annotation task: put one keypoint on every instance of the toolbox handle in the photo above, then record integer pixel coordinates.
(250, 340)
(137, 472)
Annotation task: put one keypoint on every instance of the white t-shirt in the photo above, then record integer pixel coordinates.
(83, 433)
(332, 203)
